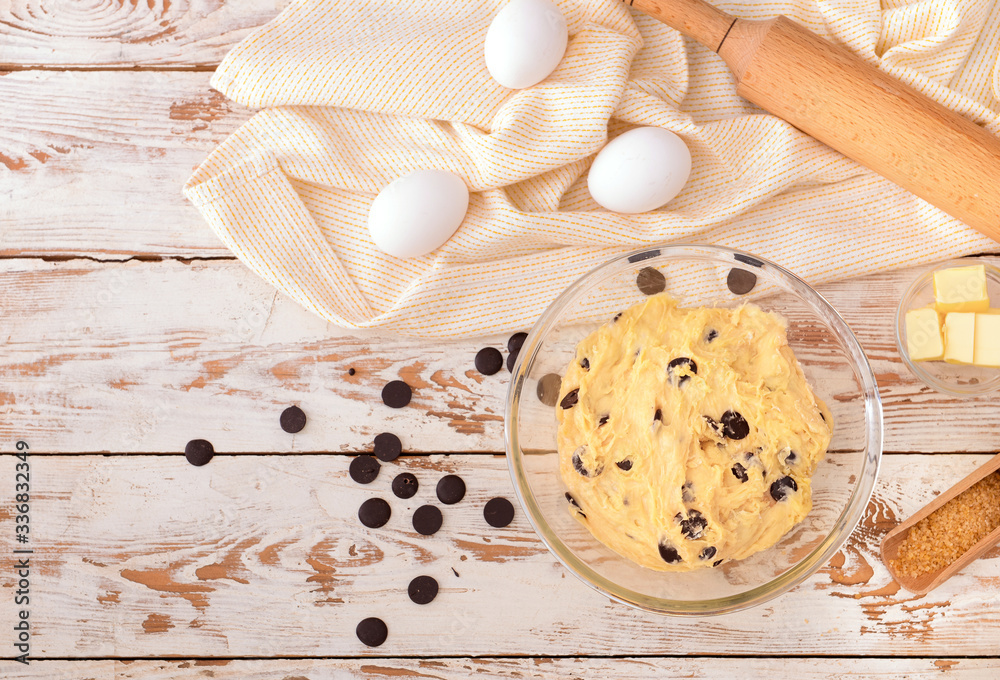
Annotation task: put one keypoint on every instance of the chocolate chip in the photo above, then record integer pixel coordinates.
(578, 465)
(712, 335)
(351, 371)
(740, 473)
(199, 451)
(658, 416)
(650, 281)
(374, 513)
(790, 457)
(740, 281)
(292, 419)
(717, 563)
(571, 399)
(516, 341)
(572, 501)
(714, 424)
(585, 364)
(489, 361)
(746, 259)
(396, 394)
(387, 447)
(669, 554)
(548, 389)
(782, 487)
(616, 317)
(687, 492)
(405, 485)
(734, 425)
(372, 631)
(423, 589)
(364, 469)
(450, 489)
(498, 512)
(511, 360)
(427, 520)
(625, 465)
(707, 553)
(694, 526)
(644, 255)
(675, 371)
(603, 420)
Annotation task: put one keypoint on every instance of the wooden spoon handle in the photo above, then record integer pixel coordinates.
(694, 18)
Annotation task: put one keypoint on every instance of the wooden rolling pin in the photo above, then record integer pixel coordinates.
(853, 107)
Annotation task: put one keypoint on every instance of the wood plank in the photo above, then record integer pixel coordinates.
(93, 163)
(146, 556)
(651, 668)
(156, 33)
(135, 357)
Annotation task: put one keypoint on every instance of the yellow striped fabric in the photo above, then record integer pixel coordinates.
(356, 93)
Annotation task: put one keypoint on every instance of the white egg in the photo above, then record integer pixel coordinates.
(418, 212)
(640, 170)
(525, 43)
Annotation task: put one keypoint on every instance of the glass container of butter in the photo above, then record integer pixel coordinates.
(948, 327)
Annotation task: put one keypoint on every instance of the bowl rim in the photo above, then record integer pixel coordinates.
(843, 527)
(925, 278)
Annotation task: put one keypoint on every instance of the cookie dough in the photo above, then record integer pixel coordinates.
(687, 437)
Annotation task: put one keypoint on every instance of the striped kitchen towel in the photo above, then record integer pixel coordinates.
(357, 93)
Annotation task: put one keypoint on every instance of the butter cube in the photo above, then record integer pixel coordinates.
(961, 289)
(959, 337)
(923, 335)
(988, 339)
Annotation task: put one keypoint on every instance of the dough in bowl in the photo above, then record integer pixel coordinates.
(687, 437)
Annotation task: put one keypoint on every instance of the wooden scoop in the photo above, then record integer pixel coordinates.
(925, 583)
(850, 105)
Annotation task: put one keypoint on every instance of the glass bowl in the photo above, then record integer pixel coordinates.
(831, 358)
(955, 379)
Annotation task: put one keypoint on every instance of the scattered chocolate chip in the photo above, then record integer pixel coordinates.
(548, 389)
(396, 394)
(199, 451)
(364, 469)
(498, 512)
(572, 501)
(585, 364)
(714, 424)
(694, 526)
(712, 335)
(423, 589)
(677, 375)
(650, 281)
(716, 563)
(740, 473)
(746, 259)
(644, 255)
(658, 416)
(707, 553)
(489, 360)
(603, 420)
(790, 457)
(740, 281)
(511, 360)
(669, 554)
(578, 465)
(734, 425)
(351, 371)
(427, 520)
(292, 419)
(405, 485)
(625, 465)
(372, 631)
(780, 488)
(387, 447)
(687, 492)
(616, 317)
(374, 513)
(516, 341)
(454, 572)
(571, 399)
(450, 489)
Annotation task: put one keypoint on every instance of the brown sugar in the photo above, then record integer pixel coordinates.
(947, 533)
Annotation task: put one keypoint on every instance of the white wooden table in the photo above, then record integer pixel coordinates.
(128, 329)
